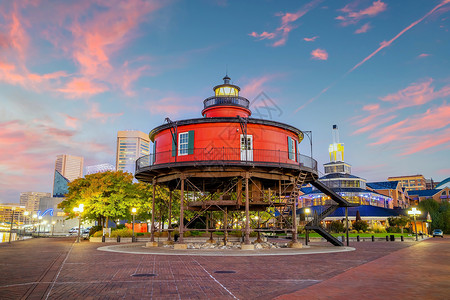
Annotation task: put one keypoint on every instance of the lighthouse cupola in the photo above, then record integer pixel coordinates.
(226, 102)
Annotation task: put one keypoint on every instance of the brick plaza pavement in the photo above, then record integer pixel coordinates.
(60, 269)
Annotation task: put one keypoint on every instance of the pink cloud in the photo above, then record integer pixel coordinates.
(351, 16)
(363, 29)
(70, 121)
(444, 172)
(27, 159)
(311, 39)
(385, 44)
(371, 107)
(372, 124)
(95, 113)
(99, 30)
(382, 46)
(282, 32)
(82, 87)
(319, 54)
(432, 121)
(434, 141)
(264, 35)
(256, 85)
(171, 105)
(416, 94)
(423, 55)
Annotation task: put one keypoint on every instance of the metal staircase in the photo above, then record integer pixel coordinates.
(315, 223)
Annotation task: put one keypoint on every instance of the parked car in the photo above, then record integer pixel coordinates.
(73, 230)
(438, 232)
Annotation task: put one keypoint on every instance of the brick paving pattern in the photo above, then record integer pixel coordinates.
(60, 269)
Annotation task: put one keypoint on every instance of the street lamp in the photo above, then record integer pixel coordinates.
(79, 210)
(27, 220)
(53, 227)
(415, 213)
(133, 213)
(39, 222)
(12, 221)
(307, 212)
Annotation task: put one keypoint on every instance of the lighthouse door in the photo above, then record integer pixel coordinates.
(247, 149)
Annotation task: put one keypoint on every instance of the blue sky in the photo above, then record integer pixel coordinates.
(73, 73)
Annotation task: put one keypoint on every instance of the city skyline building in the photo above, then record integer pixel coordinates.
(31, 200)
(67, 169)
(69, 166)
(131, 144)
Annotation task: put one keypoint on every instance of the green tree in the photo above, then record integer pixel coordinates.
(439, 212)
(360, 225)
(107, 195)
(400, 221)
(336, 226)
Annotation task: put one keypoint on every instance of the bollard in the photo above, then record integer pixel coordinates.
(387, 238)
(118, 238)
(133, 239)
(402, 238)
(392, 238)
(103, 238)
(373, 238)
(357, 238)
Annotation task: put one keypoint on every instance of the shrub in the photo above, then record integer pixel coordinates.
(187, 234)
(336, 226)
(94, 229)
(360, 225)
(120, 226)
(393, 229)
(124, 232)
(97, 233)
(379, 230)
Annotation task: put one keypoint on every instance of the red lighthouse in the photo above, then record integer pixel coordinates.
(229, 162)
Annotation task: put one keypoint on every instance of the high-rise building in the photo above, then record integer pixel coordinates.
(131, 145)
(67, 169)
(69, 166)
(30, 200)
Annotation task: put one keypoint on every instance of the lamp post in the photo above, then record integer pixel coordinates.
(307, 212)
(26, 221)
(133, 213)
(79, 210)
(13, 209)
(39, 222)
(34, 222)
(53, 227)
(43, 223)
(415, 213)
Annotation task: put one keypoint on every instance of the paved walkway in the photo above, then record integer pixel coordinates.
(60, 269)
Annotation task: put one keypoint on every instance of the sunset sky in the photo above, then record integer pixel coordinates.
(73, 73)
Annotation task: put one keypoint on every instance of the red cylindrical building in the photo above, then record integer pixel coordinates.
(237, 162)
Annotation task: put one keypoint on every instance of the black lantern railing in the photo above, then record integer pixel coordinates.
(226, 100)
